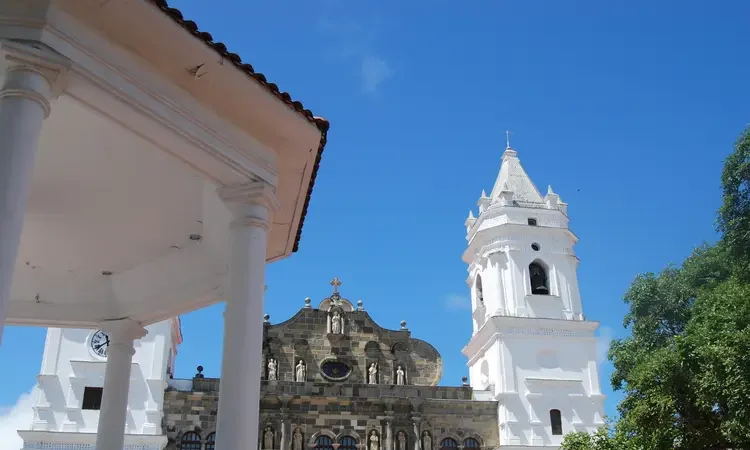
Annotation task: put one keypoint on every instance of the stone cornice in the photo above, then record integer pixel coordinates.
(504, 327)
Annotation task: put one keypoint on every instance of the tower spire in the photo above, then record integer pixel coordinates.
(507, 139)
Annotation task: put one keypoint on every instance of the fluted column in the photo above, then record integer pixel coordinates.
(110, 433)
(284, 444)
(417, 440)
(31, 69)
(239, 391)
(388, 435)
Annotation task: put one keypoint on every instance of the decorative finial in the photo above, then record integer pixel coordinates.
(200, 372)
(484, 194)
(335, 283)
(507, 139)
(266, 318)
(360, 305)
(549, 189)
(465, 381)
(403, 324)
(307, 302)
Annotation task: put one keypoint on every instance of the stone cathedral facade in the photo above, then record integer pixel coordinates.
(333, 379)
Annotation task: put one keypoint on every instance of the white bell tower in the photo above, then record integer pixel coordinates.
(531, 347)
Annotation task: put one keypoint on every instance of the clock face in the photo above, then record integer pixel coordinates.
(99, 343)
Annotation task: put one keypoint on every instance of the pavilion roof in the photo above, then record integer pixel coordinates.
(321, 123)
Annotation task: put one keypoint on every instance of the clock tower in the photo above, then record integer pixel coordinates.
(532, 347)
(68, 394)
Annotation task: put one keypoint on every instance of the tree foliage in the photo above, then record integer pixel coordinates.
(734, 215)
(685, 368)
(603, 439)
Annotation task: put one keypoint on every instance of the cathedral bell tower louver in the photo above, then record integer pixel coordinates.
(531, 346)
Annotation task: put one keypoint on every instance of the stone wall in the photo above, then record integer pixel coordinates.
(349, 409)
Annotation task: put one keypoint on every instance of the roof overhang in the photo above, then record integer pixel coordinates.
(131, 157)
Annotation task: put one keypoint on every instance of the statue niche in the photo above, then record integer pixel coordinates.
(336, 321)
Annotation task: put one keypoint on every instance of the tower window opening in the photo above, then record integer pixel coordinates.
(535, 247)
(555, 420)
(448, 443)
(531, 221)
(538, 278)
(480, 293)
(323, 443)
(92, 398)
(347, 443)
(190, 441)
(471, 443)
(210, 442)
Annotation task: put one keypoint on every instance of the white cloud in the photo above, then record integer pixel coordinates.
(13, 418)
(353, 40)
(603, 340)
(375, 70)
(456, 301)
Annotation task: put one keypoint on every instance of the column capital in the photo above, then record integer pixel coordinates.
(123, 330)
(257, 193)
(22, 59)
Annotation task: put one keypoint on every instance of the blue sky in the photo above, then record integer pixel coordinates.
(626, 108)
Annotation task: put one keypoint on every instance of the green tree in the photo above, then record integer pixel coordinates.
(734, 215)
(603, 439)
(717, 341)
(685, 368)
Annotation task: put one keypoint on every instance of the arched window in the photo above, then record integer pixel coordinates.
(210, 442)
(323, 442)
(480, 292)
(556, 421)
(471, 443)
(190, 441)
(538, 278)
(448, 443)
(347, 443)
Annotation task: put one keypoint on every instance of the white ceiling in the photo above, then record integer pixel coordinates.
(102, 198)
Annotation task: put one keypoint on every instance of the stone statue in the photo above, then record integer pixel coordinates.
(374, 440)
(426, 441)
(272, 369)
(401, 440)
(301, 372)
(268, 438)
(297, 440)
(373, 374)
(336, 327)
(400, 376)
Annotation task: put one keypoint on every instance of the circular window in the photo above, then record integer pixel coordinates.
(535, 247)
(335, 370)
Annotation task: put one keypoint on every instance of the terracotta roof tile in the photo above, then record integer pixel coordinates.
(321, 123)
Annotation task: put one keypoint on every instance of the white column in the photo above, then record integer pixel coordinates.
(239, 390)
(110, 434)
(24, 104)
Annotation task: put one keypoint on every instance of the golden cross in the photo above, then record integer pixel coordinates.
(335, 283)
